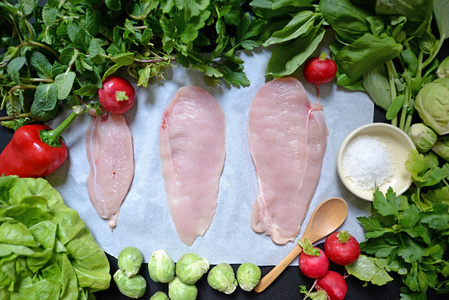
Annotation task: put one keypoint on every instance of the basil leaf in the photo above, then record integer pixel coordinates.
(376, 83)
(349, 21)
(287, 58)
(366, 53)
(441, 11)
(300, 24)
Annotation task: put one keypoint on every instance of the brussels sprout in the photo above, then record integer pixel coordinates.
(161, 267)
(129, 261)
(441, 147)
(133, 287)
(443, 68)
(177, 290)
(159, 296)
(222, 278)
(248, 276)
(422, 136)
(191, 267)
(432, 104)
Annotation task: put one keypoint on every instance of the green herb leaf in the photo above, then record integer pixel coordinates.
(14, 67)
(64, 83)
(441, 10)
(370, 269)
(287, 58)
(45, 102)
(41, 64)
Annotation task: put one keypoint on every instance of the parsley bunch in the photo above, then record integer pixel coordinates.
(411, 232)
(57, 52)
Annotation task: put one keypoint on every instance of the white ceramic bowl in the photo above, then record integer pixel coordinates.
(399, 146)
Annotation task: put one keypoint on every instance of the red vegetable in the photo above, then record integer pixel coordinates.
(35, 150)
(334, 285)
(342, 248)
(313, 262)
(117, 95)
(320, 70)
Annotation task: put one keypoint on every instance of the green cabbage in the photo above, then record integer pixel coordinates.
(46, 249)
(432, 104)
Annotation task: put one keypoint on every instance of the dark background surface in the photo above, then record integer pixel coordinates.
(286, 286)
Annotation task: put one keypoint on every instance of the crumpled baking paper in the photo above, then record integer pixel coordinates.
(144, 220)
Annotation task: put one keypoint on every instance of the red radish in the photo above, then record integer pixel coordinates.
(313, 262)
(333, 284)
(319, 70)
(342, 248)
(117, 95)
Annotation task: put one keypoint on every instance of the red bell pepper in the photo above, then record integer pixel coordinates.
(35, 150)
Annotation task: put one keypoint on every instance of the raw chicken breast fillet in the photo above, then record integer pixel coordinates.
(110, 154)
(288, 138)
(192, 150)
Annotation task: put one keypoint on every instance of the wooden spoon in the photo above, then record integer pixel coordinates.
(325, 219)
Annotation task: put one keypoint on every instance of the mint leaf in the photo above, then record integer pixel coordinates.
(79, 37)
(44, 106)
(64, 83)
(88, 90)
(124, 59)
(40, 63)
(14, 67)
(93, 20)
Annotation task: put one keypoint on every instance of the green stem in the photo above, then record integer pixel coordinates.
(435, 53)
(404, 108)
(37, 44)
(49, 80)
(393, 93)
(51, 137)
(8, 118)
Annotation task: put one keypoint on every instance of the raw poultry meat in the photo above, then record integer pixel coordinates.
(192, 150)
(110, 154)
(288, 138)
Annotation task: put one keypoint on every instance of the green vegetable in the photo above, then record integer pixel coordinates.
(443, 68)
(58, 53)
(47, 251)
(159, 296)
(441, 147)
(409, 232)
(190, 267)
(222, 278)
(422, 136)
(177, 290)
(248, 276)
(432, 104)
(161, 267)
(133, 287)
(130, 260)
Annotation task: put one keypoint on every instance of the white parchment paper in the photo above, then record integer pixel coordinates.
(145, 221)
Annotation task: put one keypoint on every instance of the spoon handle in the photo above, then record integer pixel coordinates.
(278, 269)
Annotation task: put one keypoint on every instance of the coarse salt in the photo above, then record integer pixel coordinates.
(367, 162)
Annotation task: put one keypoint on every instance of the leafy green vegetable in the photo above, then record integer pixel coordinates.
(46, 250)
(70, 47)
(409, 233)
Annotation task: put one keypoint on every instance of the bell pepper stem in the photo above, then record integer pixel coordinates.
(51, 137)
